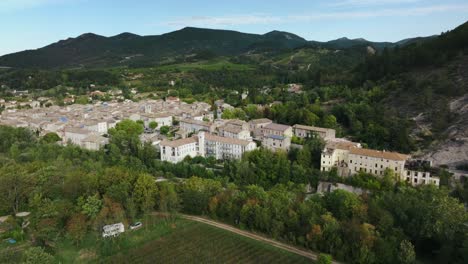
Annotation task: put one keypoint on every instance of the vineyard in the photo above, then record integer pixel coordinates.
(199, 243)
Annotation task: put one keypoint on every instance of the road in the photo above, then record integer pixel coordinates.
(305, 253)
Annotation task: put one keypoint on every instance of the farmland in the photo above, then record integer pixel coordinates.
(174, 241)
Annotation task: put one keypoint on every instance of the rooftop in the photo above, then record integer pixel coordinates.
(277, 127)
(226, 140)
(379, 154)
(312, 128)
(179, 142)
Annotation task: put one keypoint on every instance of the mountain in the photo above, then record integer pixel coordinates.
(91, 50)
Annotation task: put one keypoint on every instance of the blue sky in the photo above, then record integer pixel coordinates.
(30, 24)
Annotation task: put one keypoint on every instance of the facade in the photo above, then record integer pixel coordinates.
(175, 151)
(415, 178)
(277, 129)
(274, 142)
(205, 145)
(94, 142)
(302, 131)
(224, 148)
(236, 129)
(376, 162)
(335, 154)
(349, 158)
(75, 135)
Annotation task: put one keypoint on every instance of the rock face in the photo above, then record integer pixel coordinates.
(454, 150)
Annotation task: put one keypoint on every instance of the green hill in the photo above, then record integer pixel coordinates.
(93, 51)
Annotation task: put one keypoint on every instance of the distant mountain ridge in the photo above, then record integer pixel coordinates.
(92, 50)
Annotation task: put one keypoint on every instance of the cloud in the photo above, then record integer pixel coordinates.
(256, 19)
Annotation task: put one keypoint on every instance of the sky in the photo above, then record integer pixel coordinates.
(31, 24)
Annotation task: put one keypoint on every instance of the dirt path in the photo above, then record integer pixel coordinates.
(305, 253)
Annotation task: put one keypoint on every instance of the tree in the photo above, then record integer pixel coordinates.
(77, 227)
(406, 254)
(324, 259)
(37, 255)
(15, 187)
(90, 206)
(51, 138)
(164, 130)
(145, 192)
(153, 125)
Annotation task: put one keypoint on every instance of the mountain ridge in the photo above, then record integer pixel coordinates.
(93, 50)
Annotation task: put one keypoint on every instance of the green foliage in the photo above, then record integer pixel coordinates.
(51, 138)
(164, 130)
(324, 259)
(153, 125)
(37, 255)
(145, 192)
(90, 205)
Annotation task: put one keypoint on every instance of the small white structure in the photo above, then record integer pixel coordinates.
(113, 230)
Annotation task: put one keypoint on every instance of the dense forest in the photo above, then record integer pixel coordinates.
(70, 191)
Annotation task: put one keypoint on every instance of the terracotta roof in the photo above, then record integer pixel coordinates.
(179, 142)
(379, 154)
(226, 140)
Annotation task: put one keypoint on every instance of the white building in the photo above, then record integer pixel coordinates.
(335, 154)
(175, 151)
(349, 158)
(224, 148)
(376, 162)
(75, 135)
(94, 142)
(205, 145)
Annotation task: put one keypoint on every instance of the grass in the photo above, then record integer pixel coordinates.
(173, 241)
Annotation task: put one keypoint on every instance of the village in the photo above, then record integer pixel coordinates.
(179, 129)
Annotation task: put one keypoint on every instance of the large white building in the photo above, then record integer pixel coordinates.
(175, 151)
(349, 158)
(205, 145)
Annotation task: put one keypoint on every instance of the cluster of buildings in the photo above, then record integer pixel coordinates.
(198, 133)
(230, 139)
(87, 125)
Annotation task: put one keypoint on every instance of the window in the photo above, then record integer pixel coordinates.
(396, 168)
(376, 165)
(408, 173)
(415, 180)
(349, 162)
(375, 171)
(424, 175)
